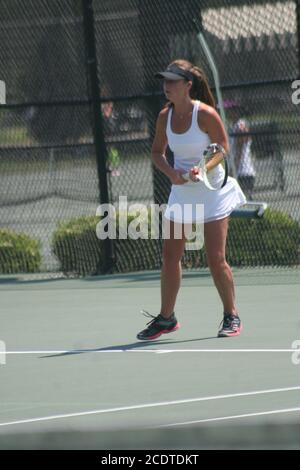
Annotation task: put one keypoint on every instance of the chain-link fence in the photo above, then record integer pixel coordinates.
(82, 102)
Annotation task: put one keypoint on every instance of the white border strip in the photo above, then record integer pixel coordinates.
(151, 405)
(2, 92)
(224, 418)
(156, 351)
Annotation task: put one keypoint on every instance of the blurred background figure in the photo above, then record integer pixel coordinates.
(242, 157)
(240, 146)
(109, 124)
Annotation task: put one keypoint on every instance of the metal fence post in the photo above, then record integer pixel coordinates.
(98, 132)
(298, 32)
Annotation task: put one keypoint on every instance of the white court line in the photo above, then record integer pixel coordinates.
(224, 418)
(150, 405)
(156, 351)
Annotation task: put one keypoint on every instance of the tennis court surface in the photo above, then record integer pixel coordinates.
(73, 374)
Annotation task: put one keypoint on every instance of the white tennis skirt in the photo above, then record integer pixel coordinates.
(193, 202)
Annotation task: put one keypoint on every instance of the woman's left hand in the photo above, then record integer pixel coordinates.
(195, 174)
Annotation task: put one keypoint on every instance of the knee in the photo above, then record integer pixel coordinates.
(171, 256)
(217, 263)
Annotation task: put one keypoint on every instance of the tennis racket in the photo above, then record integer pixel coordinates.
(213, 168)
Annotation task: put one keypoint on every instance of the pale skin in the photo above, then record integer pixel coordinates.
(215, 232)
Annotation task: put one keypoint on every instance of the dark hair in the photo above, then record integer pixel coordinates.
(200, 88)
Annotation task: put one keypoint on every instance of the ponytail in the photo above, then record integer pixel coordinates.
(200, 89)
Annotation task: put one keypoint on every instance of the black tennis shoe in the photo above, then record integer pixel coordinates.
(158, 326)
(231, 325)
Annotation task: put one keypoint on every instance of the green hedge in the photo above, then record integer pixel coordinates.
(79, 251)
(273, 240)
(18, 253)
(76, 245)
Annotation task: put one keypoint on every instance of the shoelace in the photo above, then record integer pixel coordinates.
(226, 322)
(147, 314)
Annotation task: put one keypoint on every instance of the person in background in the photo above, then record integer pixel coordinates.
(107, 108)
(241, 161)
(243, 158)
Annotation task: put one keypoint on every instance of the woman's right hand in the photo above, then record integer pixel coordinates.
(177, 178)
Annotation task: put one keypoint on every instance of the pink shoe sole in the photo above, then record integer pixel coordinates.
(227, 335)
(163, 332)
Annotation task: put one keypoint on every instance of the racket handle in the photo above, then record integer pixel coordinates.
(186, 176)
(217, 158)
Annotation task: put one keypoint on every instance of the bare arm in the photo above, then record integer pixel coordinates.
(159, 146)
(211, 123)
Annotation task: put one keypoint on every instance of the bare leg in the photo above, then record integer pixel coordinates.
(215, 234)
(171, 271)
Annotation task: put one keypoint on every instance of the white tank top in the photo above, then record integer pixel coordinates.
(189, 146)
(188, 149)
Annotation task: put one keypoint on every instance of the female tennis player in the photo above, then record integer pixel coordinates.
(188, 124)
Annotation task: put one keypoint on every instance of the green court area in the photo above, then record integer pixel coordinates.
(73, 374)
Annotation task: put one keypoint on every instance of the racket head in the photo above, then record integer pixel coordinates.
(214, 167)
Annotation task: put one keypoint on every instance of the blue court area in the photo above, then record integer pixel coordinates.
(73, 374)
